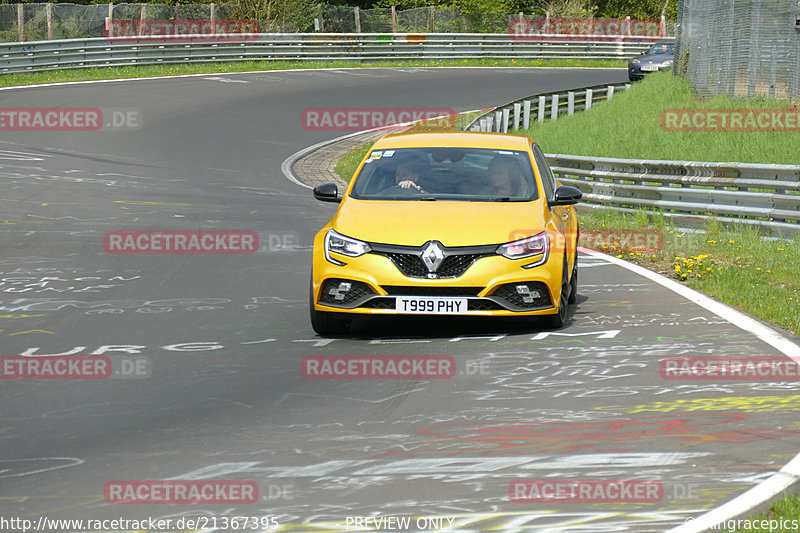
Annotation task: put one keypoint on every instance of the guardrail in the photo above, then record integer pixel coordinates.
(148, 50)
(546, 105)
(689, 192)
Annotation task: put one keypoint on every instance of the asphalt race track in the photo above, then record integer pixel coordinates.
(206, 348)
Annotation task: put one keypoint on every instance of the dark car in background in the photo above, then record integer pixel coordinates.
(658, 57)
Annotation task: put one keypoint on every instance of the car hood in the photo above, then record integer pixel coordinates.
(413, 223)
(656, 58)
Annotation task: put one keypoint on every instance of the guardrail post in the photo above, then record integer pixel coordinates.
(319, 17)
(526, 114)
(394, 20)
(570, 102)
(554, 107)
(49, 14)
(20, 22)
(505, 119)
(589, 95)
(498, 121)
(110, 14)
(542, 104)
(357, 15)
(431, 24)
(213, 15)
(610, 92)
(143, 16)
(517, 111)
(489, 123)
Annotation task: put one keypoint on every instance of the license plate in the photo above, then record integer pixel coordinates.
(430, 305)
(649, 68)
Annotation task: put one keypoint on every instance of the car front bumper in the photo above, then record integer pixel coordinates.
(492, 285)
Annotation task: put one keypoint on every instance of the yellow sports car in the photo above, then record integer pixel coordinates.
(459, 223)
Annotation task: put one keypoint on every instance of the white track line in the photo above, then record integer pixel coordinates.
(56, 84)
(787, 475)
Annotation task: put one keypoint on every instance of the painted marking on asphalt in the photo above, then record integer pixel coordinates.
(787, 475)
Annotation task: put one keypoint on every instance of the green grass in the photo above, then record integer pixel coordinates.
(786, 508)
(347, 165)
(146, 71)
(628, 126)
(734, 265)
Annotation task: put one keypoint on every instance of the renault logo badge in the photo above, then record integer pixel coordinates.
(432, 256)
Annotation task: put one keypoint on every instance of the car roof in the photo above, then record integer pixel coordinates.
(460, 139)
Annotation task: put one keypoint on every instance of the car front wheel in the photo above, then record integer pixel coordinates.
(558, 320)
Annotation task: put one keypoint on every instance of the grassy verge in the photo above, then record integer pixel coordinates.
(629, 126)
(146, 71)
(734, 265)
(784, 514)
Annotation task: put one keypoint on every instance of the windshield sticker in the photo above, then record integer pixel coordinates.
(388, 153)
(376, 155)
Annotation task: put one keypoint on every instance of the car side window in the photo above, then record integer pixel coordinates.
(548, 180)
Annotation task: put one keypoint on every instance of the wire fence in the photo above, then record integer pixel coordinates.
(46, 21)
(740, 47)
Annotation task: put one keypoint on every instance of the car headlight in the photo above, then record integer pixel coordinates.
(538, 245)
(667, 63)
(634, 61)
(335, 242)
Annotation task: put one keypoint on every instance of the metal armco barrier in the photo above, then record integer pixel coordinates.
(689, 192)
(519, 113)
(148, 50)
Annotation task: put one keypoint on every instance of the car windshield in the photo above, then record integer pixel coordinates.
(460, 174)
(662, 49)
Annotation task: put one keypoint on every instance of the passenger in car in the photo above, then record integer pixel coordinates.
(504, 175)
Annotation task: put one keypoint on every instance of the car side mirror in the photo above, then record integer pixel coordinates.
(327, 192)
(566, 195)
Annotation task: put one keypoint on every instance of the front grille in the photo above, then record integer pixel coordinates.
(455, 261)
(455, 265)
(400, 290)
(333, 292)
(510, 294)
(452, 266)
(410, 265)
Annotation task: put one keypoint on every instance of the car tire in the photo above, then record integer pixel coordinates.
(573, 282)
(558, 320)
(326, 323)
